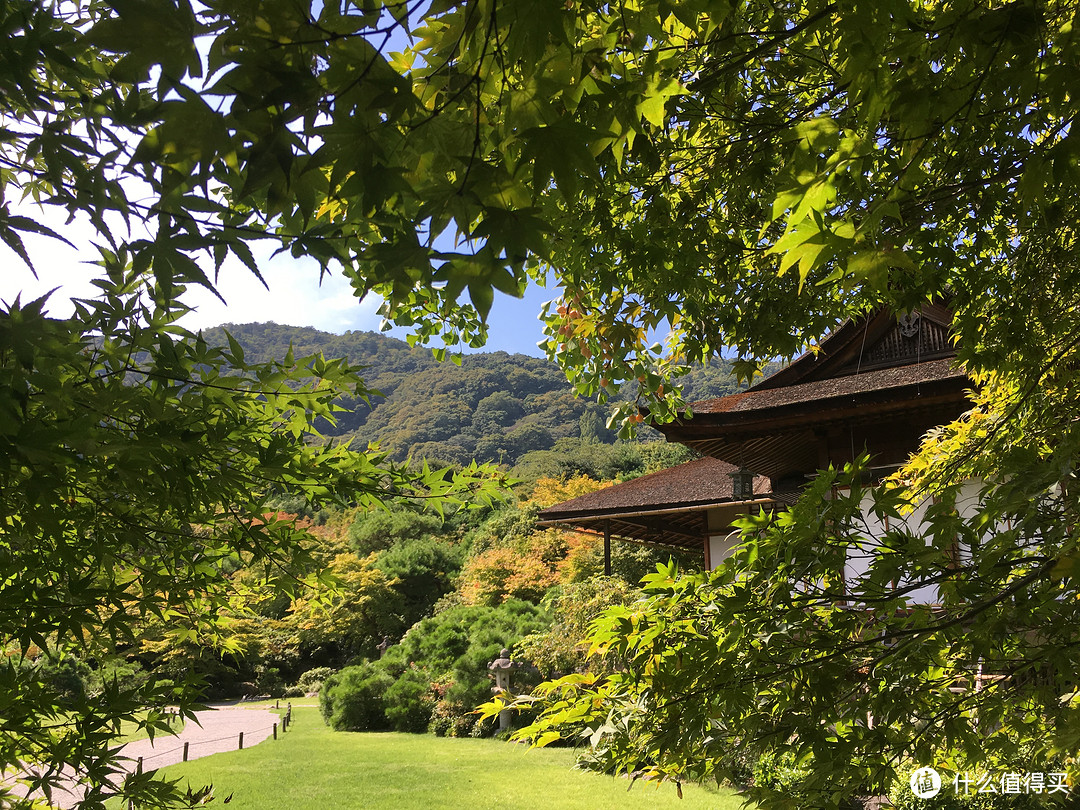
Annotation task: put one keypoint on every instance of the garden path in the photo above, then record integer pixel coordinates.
(213, 731)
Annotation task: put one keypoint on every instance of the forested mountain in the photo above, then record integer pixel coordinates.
(493, 407)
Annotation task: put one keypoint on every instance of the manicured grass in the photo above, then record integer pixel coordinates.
(313, 768)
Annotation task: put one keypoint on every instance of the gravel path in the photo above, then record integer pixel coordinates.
(212, 732)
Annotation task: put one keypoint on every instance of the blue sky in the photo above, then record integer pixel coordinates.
(295, 296)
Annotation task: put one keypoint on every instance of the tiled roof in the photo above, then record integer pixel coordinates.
(851, 385)
(695, 483)
(868, 376)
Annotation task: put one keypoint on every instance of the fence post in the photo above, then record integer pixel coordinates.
(275, 731)
(186, 750)
(241, 741)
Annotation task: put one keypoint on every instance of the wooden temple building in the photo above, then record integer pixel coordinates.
(875, 385)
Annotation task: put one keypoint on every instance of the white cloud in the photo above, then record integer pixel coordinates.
(295, 296)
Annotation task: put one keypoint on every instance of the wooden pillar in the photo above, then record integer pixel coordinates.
(607, 547)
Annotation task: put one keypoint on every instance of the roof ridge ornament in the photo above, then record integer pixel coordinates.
(910, 323)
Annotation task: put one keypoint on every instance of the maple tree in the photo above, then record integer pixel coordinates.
(744, 173)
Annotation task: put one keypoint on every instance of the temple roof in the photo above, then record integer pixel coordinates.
(874, 385)
(880, 339)
(701, 481)
(667, 507)
(819, 392)
(880, 381)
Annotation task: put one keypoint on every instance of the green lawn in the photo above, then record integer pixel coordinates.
(313, 768)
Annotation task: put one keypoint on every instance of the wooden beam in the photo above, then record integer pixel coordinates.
(607, 547)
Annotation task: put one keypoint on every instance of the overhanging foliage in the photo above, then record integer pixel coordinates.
(137, 464)
(746, 172)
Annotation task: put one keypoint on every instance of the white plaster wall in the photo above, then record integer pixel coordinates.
(913, 523)
(859, 557)
(721, 546)
(967, 504)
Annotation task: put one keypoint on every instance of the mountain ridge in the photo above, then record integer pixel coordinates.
(494, 406)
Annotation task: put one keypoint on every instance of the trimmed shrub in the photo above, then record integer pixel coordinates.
(353, 699)
(435, 677)
(409, 701)
(310, 681)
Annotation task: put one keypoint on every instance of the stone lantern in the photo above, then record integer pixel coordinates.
(502, 667)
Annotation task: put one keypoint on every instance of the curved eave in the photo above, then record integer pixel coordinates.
(684, 526)
(863, 406)
(773, 440)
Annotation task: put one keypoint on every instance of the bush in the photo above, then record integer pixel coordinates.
(434, 678)
(778, 772)
(310, 681)
(353, 699)
(66, 676)
(449, 718)
(563, 647)
(268, 681)
(128, 674)
(409, 702)
(314, 677)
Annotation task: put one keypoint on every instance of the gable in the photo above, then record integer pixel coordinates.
(914, 337)
(875, 385)
(878, 340)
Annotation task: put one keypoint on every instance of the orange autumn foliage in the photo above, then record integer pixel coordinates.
(550, 491)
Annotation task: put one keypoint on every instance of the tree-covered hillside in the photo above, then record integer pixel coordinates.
(493, 407)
